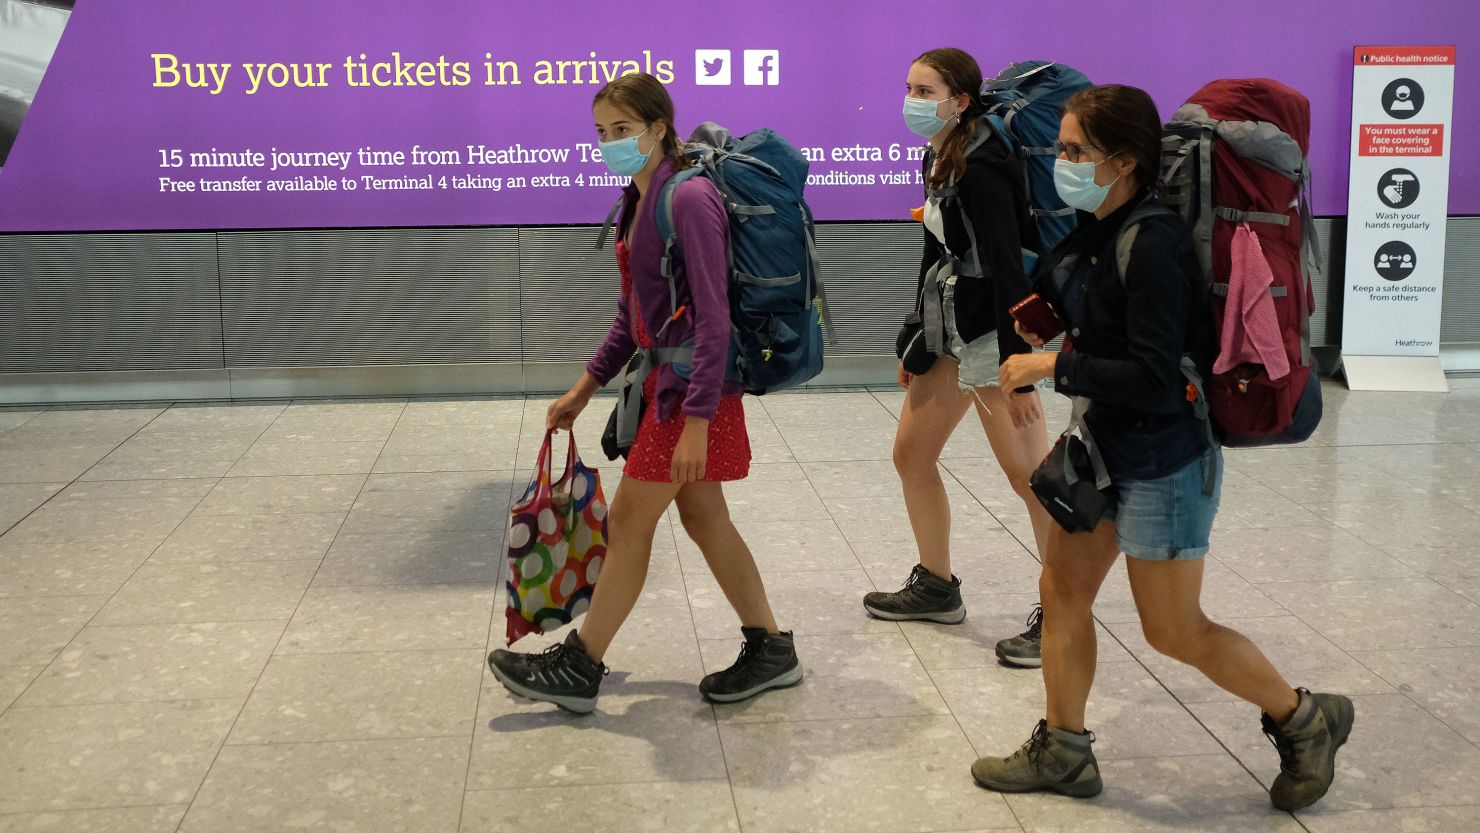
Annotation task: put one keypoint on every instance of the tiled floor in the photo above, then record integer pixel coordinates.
(273, 617)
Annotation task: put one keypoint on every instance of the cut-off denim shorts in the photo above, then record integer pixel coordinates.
(1167, 518)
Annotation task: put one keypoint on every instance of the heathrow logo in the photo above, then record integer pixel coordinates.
(761, 67)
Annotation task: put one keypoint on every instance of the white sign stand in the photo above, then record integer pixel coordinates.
(1397, 208)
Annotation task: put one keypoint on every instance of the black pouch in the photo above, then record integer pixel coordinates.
(910, 347)
(1072, 482)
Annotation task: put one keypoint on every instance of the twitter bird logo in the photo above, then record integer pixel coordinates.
(712, 67)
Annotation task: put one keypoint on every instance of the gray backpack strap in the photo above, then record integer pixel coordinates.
(814, 268)
(611, 219)
(629, 402)
(671, 251)
(1076, 421)
(1200, 407)
(1202, 232)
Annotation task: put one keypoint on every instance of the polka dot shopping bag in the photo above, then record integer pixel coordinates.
(557, 543)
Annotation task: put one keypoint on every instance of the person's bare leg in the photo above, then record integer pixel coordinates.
(933, 408)
(1018, 452)
(1074, 567)
(706, 519)
(1168, 595)
(635, 512)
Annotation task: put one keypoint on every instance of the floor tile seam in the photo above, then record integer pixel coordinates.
(500, 566)
(236, 720)
(1399, 692)
(144, 702)
(79, 476)
(65, 810)
(111, 596)
(557, 787)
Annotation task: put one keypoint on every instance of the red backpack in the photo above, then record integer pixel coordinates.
(1234, 166)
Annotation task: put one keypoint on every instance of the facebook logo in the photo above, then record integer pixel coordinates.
(712, 67)
(762, 67)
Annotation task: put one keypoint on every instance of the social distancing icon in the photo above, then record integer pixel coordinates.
(1395, 261)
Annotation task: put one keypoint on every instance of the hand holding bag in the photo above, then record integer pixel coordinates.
(556, 545)
(1072, 482)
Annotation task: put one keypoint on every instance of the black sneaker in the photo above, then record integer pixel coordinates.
(1026, 649)
(925, 597)
(767, 661)
(564, 674)
(1307, 744)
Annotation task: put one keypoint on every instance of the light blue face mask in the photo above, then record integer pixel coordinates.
(920, 116)
(623, 157)
(1075, 182)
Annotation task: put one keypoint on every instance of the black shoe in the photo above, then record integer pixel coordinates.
(1026, 649)
(564, 674)
(767, 661)
(1307, 744)
(925, 597)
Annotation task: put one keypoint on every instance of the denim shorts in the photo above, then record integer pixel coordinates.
(1167, 518)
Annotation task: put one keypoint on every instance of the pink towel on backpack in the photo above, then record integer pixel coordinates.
(1251, 331)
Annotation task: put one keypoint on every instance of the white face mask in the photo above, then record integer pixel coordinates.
(1075, 182)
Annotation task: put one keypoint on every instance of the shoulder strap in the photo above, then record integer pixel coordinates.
(668, 233)
(1126, 240)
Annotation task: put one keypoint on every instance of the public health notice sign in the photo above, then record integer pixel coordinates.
(1402, 105)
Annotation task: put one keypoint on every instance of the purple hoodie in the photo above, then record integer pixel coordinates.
(702, 278)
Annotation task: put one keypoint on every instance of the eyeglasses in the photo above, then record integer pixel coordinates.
(1072, 151)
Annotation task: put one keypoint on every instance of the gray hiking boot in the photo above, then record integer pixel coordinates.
(564, 674)
(1026, 649)
(924, 597)
(767, 661)
(1052, 759)
(1307, 744)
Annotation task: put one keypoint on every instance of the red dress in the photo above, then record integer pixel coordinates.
(651, 457)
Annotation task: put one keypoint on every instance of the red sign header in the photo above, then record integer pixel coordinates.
(1378, 56)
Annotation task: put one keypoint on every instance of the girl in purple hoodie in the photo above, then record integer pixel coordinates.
(692, 435)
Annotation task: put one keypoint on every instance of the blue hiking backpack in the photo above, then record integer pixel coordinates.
(777, 303)
(1025, 103)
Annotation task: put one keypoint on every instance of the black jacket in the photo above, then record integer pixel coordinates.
(995, 198)
(1129, 338)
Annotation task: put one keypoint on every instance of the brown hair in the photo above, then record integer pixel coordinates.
(961, 74)
(1120, 119)
(645, 97)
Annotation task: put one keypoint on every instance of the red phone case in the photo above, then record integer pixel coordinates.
(1038, 317)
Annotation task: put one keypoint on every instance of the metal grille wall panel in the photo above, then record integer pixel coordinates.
(569, 293)
(869, 271)
(109, 302)
(370, 297)
(1461, 317)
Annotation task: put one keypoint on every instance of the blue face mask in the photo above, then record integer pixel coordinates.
(1075, 182)
(921, 116)
(623, 157)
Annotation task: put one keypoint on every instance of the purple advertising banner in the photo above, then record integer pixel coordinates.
(200, 114)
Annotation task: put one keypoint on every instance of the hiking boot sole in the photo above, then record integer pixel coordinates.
(1087, 790)
(786, 680)
(944, 617)
(1347, 717)
(578, 705)
(1020, 662)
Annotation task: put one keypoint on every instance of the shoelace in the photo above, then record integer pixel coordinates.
(550, 656)
(1035, 623)
(749, 651)
(1036, 742)
(913, 587)
(1286, 748)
